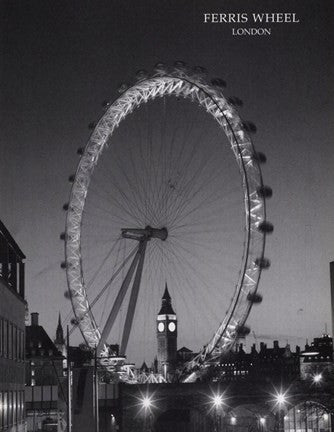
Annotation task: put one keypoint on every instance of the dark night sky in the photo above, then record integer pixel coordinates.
(61, 59)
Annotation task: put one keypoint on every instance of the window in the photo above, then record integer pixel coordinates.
(10, 408)
(1, 341)
(1, 410)
(10, 340)
(14, 342)
(5, 338)
(5, 409)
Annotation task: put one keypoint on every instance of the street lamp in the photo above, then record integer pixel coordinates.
(147, 405)
(280, 399)
(317, 378)
(217, 401)
(146, 402)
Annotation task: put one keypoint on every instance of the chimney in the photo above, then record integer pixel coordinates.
(276, 344)
(34, 319)
(262, 346)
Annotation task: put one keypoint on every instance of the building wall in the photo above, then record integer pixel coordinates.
(12, 328)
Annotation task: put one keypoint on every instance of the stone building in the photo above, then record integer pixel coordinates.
(45, 385)
(12, 319)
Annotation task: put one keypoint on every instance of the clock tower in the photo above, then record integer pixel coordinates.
(166, 335)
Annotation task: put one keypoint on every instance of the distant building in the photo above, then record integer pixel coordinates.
(184, 355)
(276, 364)
(12, 320)
(317, 358)
(166, 335)
(45, 386)
(60, 340)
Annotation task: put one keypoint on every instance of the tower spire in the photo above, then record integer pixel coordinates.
(59, 332)
(166, 295)
(166, 303)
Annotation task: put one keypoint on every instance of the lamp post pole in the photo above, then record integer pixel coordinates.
(96, 392)
(69, 383)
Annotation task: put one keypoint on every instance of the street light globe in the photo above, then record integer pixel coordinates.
(281, 399)
(217, 401)
(146, 402)
(233, 420)
(317, 378)
(262, 420)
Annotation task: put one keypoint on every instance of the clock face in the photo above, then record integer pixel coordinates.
(161, 327)
(171, 326)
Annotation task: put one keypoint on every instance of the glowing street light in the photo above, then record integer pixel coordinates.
(317, 378)
(262, 421)
(146, 402)
(217, 401)
(280, 398)
(233, 420)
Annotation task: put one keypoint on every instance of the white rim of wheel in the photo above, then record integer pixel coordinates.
(179, 83)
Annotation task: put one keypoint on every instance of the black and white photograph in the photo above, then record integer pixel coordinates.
(167, 216)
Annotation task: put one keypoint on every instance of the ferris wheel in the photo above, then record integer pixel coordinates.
(159, 197)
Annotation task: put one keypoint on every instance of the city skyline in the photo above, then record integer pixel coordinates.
(61, 63)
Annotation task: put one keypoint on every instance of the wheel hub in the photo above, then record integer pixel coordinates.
(145, 234)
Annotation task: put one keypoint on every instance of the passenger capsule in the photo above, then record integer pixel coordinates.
(266, 227)
(63, 265)
(62, 236)
(67, 295)
(265, 192)
(71, 178)
(80, 151)
(254, 298)
(105, 104)
(180, 64)
(141, 75)
(123, 87)
(260, 157)
(249, 127)
(218, 82)
(243, 330)
(263, 263)
(160, 68)
(235, 101)
(65, 207)
(92, 125)
(200, 70)
(74, 322)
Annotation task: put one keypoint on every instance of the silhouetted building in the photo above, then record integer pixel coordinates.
(277, 364)
(12, 319)
(184, 355)
(45, 386)
(166, 335)
(317, 358)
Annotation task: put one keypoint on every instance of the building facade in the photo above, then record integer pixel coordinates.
(45, 384)
(12, 334)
